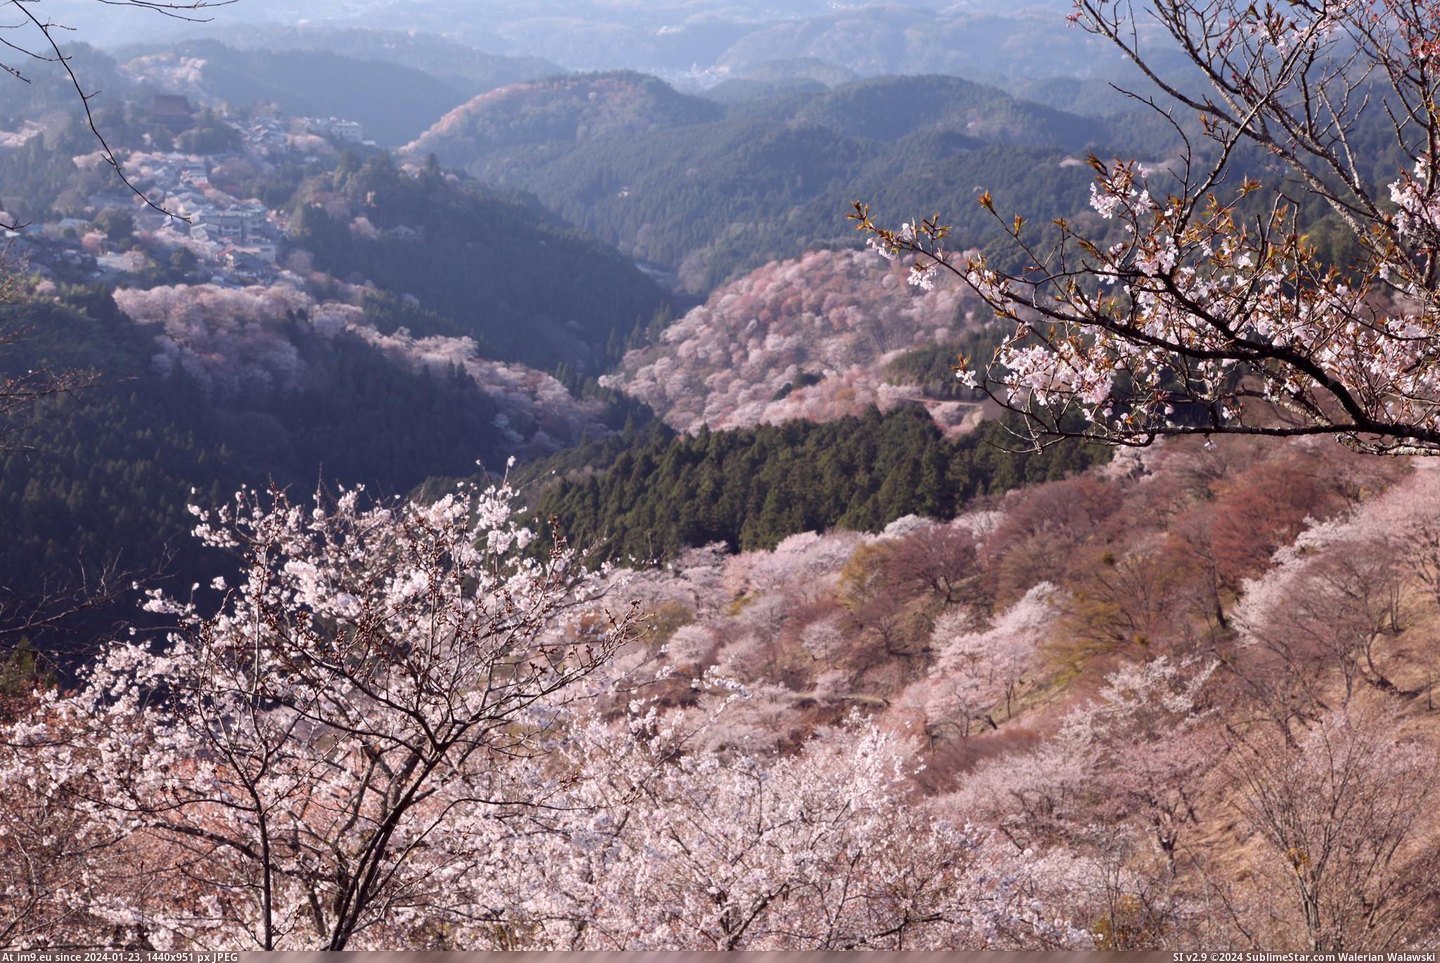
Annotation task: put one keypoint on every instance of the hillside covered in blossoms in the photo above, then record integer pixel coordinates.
(807, 339)
(1042, 692)
(719, 476)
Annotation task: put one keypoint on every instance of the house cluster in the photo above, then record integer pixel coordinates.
(266, 135)
(236, 238)
(227, 229)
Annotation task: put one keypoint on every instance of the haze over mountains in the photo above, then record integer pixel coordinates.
(453, 194)
(384, 250)
(703, 40)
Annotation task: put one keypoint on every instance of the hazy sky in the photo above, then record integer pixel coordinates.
(699, 41)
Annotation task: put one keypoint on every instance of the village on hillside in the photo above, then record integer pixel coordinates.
(183, 222)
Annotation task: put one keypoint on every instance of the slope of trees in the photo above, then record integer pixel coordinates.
(750, 488)
(1068, 655)
(808, 338)
(502, 269)
(218, 387)
(709, 196)
(762, 190)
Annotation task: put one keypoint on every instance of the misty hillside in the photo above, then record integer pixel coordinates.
(460, 65)
(891, 108)
(561, 110)
(706, 197)
(48, 90)
(701, 41)
(392, 102)
(498, 268)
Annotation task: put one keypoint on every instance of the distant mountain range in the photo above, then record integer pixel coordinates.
(982, 40)
(705, 192)
(359, 75)
(563, 110)
(704, 40)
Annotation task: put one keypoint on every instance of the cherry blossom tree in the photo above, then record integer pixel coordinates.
(977, 671)
(1343, 811)
(50, 856)
(1200, 306)
(1151, 731)
(1133, 753)
(1328, 603)
(822, 850)
(1105, 801)
(351, 733)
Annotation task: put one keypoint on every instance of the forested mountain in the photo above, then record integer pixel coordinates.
(708, 197)
(397, 349)
(890, 108)
(561, 111)
(750, 488)
(499, 268)
(742, 90)
(795, 70)
(894, 39)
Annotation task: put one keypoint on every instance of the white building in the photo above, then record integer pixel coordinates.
(337, 127)
(238, 224)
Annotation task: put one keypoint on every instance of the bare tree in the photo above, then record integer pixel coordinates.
(943, 559)
(1345, 813)
(1128, 599)
(20, 392)
(1321, 615)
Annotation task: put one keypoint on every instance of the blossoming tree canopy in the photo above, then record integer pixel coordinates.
(314, 750)
(1198, 304)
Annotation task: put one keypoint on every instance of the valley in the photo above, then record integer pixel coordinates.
(476, 477)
